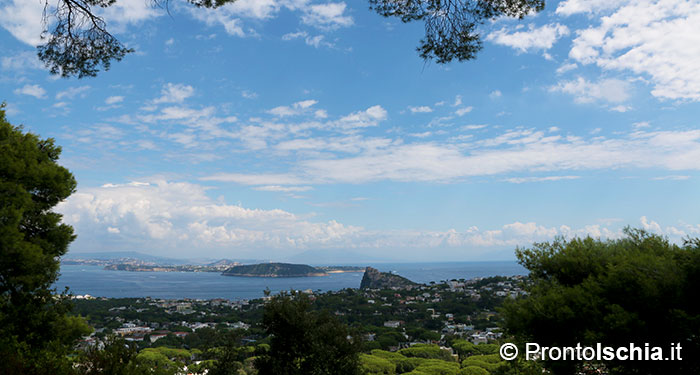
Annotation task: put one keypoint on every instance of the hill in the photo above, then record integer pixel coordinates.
(274, 270)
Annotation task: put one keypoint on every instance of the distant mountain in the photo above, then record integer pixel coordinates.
(373, 279)
(274, 270)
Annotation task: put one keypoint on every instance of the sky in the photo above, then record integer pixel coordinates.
(267, 129)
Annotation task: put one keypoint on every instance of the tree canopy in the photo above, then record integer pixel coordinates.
(77, 42)
(306, 342)
(638, 289)
(35, 331)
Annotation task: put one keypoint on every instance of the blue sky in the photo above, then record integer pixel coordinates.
(270, 128)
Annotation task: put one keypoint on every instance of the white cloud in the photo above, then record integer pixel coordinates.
(21, 61)
(535, 38)
(31, 90)
(256, 179)
(621, 108)
(22, 19)
(249, 94)
(566, 67)
(128, 12)
(520, 180)
(655, 39)
(224, 16)
(495, 94)
(463, 111)
(231, 15)
(672, 177)
(420, 109)
(283, 189)
(361, 119)
(570, 7)
(174, 93)
(650, 225)
(609, 90)
(515, 151)
(327, 16)
(72, 92)
(293, 110)
(114, 100)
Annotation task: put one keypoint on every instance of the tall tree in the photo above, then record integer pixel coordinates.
(636, 290)
(35, 332)
(77, 42)
(306, 342)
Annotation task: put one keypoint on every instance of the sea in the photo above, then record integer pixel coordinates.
(98, 282)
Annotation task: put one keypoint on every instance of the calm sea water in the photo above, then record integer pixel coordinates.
(98, 282)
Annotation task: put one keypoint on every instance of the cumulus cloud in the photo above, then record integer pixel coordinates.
(654, 39)
(329, 15)
(534, 38)
(362, 119)
(31, 90)
(180, 215)
(174, 93)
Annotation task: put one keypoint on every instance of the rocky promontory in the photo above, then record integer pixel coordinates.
(373, 279)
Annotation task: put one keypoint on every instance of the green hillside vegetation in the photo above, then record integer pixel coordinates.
(274, 270)
(422, 359)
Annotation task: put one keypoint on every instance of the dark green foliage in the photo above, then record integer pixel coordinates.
(638, 289)
(451, 25)
(465, 348)
(403, 364)
(35, 333)
(373, 365)
(427, 351)
(474, 370)
(306, 342)
(79, 42)
(229, 357)
(490, 362)
(116, 358)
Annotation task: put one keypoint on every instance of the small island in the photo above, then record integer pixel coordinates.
(274, 270)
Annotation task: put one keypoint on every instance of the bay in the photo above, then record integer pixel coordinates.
(94, 280)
